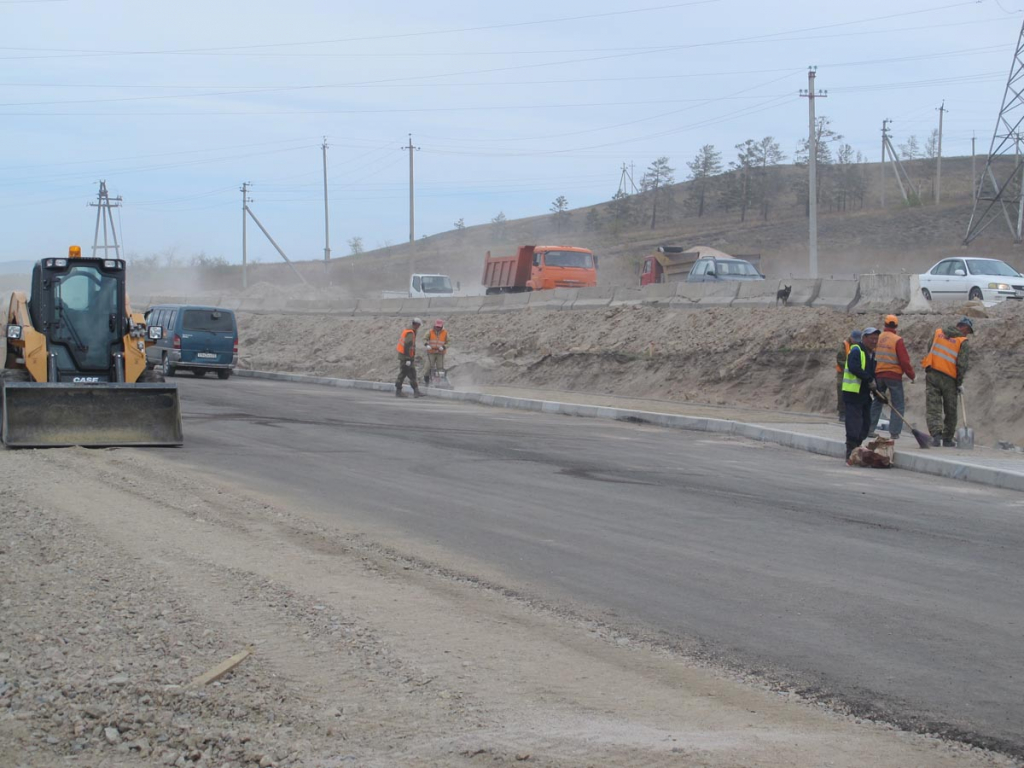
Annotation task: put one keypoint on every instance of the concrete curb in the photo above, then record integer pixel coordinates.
(928, 465)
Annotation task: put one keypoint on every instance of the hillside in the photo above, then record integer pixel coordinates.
(862, 238)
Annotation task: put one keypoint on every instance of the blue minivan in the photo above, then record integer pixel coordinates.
(195, 338)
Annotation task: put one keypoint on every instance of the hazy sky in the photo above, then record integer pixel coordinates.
(176, 103)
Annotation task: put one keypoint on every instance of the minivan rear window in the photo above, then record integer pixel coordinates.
(208, 320)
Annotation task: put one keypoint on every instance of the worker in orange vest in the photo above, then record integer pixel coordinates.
(891, 363)
(841, 355)
(437, 344)
(945, 366)
(407, 359)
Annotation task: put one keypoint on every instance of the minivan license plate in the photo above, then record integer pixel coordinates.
(207, 355)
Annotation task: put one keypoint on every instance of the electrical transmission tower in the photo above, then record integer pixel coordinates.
(626, 184)
(999, 192)
(902, 177)
(104, 206)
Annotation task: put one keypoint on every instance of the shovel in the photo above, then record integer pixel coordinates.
(964, 435)
(923, 439)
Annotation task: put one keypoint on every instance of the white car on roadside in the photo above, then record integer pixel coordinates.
(972, 278)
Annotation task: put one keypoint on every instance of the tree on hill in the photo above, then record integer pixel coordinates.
(739, 188)
(704, 167)
(658, 175)
(911, 150)
(931, 146)
(824, 137)
(355, 245)
(460, 224)
(621, 210)
(751, 182)
(850, 184)
(766, 155)
(498, 225)
(593, 221)
(560, 209)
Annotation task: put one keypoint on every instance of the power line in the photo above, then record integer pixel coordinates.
(397, 36)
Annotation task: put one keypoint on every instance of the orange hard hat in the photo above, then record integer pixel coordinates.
(892, 320)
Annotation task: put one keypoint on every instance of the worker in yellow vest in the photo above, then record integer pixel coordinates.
(945, 366)
(858, 385)
(841, 355)
(892, 363)
(407, 359)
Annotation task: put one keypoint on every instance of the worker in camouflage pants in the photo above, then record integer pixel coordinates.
(945, 366)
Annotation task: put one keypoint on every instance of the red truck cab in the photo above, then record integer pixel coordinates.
(540, 267)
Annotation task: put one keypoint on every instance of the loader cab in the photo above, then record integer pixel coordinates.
(79, 305)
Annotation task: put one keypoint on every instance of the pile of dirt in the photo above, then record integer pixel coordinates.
(767, 358)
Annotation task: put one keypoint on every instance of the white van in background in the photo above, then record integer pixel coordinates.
(423, 287)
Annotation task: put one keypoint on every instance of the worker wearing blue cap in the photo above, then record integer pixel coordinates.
(858, 384)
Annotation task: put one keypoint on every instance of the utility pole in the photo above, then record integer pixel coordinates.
(104, 213)
(885, 143)
(938, 159)
(812, 164)
(412, 197)
(327, 211)
(245, 209)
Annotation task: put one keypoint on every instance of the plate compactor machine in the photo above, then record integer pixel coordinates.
(75, 370)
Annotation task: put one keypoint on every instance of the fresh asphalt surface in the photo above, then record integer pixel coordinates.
(900, 594)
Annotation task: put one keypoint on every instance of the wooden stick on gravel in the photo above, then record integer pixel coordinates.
(220, 670)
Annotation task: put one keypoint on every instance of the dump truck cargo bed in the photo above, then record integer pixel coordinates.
(36, 415)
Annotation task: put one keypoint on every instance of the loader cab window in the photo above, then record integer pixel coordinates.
(86, 319)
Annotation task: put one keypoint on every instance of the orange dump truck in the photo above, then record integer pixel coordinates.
(539, 267)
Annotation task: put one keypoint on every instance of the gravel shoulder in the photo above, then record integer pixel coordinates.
(121, 580)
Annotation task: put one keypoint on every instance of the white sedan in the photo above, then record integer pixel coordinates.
(971, 278)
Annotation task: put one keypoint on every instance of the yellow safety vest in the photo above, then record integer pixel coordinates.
(852, 383)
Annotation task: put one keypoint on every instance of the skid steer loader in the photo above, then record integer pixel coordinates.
(75, 370)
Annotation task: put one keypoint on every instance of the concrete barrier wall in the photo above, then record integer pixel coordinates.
(659, 294)
(559, 298)
(719, 294)
(883, 293)
(840, 295)
(760, 293)
(626, 297)
(804, 292)
(869, 293)
(513, 302)
(589, 298)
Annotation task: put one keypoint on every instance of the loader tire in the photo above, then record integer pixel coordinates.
(152, 376)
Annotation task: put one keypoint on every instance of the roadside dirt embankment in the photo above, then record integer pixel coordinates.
(768, 358)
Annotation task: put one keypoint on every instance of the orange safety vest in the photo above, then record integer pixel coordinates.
(436, 340)
(944, 353)
(401, 342)
(886, 357)
(839, 368)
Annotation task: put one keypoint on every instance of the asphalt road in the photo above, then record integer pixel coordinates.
(900, 594)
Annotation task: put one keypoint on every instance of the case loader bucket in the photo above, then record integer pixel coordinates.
(94, 416)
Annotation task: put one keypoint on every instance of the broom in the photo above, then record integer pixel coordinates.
(923, 439)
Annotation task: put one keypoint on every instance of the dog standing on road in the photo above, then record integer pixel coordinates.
(783, 295)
